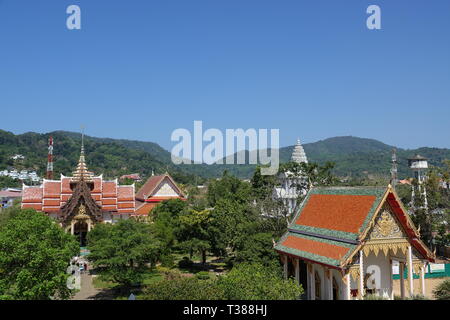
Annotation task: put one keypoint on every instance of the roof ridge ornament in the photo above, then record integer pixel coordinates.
(81, 173)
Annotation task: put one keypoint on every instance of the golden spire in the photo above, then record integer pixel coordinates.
(81, 172)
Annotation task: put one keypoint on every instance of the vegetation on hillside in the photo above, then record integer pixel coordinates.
(357, 159)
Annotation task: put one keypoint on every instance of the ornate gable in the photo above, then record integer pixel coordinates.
(386, 226)
(166, 189)
(386, 234)
(80, 200)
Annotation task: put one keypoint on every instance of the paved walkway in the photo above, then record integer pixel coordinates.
(87, 292)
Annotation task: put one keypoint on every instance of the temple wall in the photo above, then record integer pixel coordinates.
(380, 267)
(430, 285)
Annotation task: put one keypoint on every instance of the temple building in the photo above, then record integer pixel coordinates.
(81, 201)
(343, 241)
(155, 190)
(289, 189)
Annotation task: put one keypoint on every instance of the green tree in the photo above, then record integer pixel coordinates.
(256, 248)
(430, 219)
(34, 255)
(251, 281)
(122, 251)
(8, 182)
(193, 231)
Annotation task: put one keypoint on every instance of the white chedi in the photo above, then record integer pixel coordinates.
(288, 192)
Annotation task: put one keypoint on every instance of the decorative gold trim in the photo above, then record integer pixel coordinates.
(417, 266)
(82, 215)
(354, 272)
(385, 246)
(386, 226)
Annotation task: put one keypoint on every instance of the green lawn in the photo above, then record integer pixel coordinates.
(150, 277)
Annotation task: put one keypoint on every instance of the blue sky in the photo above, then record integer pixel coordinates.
(140, 69)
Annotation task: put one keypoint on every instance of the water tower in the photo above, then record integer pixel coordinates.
(418, 165)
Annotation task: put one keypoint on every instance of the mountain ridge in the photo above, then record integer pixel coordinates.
(353, 156)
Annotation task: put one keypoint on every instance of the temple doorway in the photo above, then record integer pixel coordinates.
(335, 289)
(80, 232)
(303, 278)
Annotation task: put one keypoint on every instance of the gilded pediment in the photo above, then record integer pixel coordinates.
(386, 227)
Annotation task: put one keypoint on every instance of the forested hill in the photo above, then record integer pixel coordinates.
(356, 157)
(359, 156)
(353, 157)
(109, 157)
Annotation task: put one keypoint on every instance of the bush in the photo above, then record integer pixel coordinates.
(182, 289)
(185, 263)
(168, 273)
(373, 297)
(257, 282)
(203, 275)
(418, 297)
(167, 261)
(442, 291)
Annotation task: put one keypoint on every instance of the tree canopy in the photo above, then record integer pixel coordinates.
(123, 251)
(34, 255)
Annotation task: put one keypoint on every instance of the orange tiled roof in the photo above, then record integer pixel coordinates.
(316, 247)
(336, 212)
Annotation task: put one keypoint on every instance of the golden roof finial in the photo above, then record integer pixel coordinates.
(81, 172)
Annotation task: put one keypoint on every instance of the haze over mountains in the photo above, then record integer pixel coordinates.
(353, 156)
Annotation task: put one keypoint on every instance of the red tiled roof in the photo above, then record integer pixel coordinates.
(144, 208)
(336, 212)
(65, 182)
(52, 189)
(35, 206)
(315, 247)
(125, 193)
(150, 185)
(48, 197)
(109, 189)
(10, 194)
(97, 185)
(125, 205)
(32, 195)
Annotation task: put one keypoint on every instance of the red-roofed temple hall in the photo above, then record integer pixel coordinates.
(81, 201)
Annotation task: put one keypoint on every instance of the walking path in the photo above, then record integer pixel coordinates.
(88, 291)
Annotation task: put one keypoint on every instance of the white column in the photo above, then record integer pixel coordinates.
(361, 274)
(422, 278)
(72, 228)
(297, 271)
(285, 267)
(402, 279)
(348, 286)
(410, 272)
(391, 281)
(330, 284)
